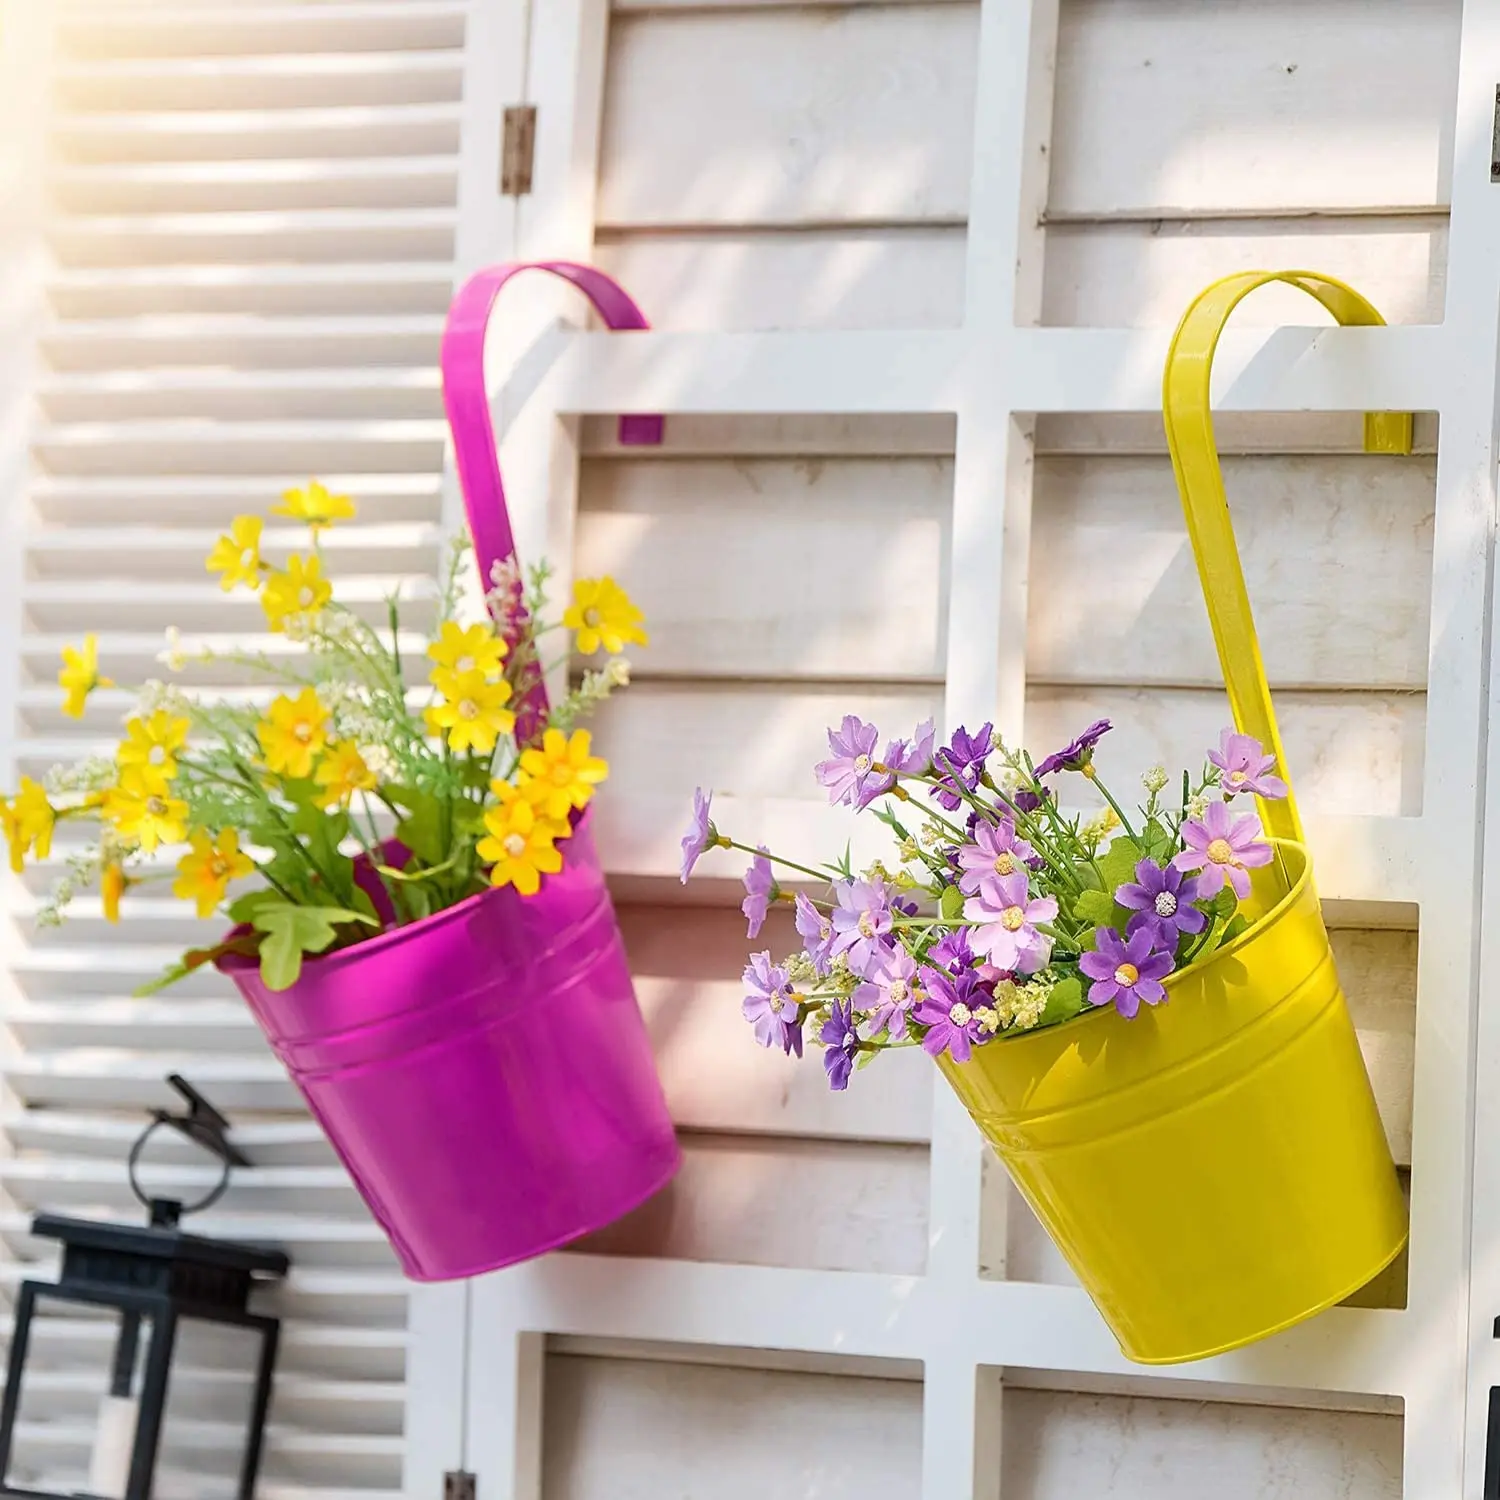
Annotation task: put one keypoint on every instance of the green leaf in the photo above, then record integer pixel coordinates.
(193, 960)
(1117, 863)
(291, 930)
(951, 903)
(422, 829)
(1097, 908)
(244, 908)
(1238, 923)
(1224, 904)
(1065, 1002)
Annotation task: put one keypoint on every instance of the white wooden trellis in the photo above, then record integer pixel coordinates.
(996, 373)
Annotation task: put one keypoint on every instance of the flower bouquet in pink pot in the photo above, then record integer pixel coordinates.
(404, 858)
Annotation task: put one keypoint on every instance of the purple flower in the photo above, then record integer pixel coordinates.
(760, 887)
(914, 759)
(1029, 799)
(860, 921)
(847, 771)
(770, 1006)
(843, 1044)
(995, 851)
(952, 951)
(1165, 898)
(1077, 754)
(701, 835)
(888, 991)
(1245, 767)
(817, 933)
(1008, 915)
(948, 1007)
(1223, 848)
(1126, 970)
(961, 763)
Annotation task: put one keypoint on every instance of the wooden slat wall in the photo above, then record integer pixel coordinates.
(772, 165)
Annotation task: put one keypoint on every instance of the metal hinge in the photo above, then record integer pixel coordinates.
(518, 150)
(1495, 142)
(458, 1486)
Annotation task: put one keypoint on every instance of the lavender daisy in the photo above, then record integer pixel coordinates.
(701, 835)
(760, 890)
(843, 1044)
(1245, 767)
(847, 770)
(995, 851)
(1076, 755)
(770, 1006)
(816, 930)
(960, 764)
(1126, 971)
(1007, 915)
(948, 1009)
(952, 951)
(1164, 897)
(861, 921)
(888, 992)
(914, 758)
(1224, 848)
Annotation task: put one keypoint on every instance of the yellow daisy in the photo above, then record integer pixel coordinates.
(113, 883)
(140, 812)
(150, 747)
(204, 873)
(472, 713)
(519, 847)
(315, 506)
(293, 734)
(236, 556)
(602, 614)
(299, 592)
(459, 649)
(27, 821)
(342, 773)
(561, 774)
(80, 675)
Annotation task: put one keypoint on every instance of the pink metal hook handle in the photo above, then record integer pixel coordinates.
(468, 409)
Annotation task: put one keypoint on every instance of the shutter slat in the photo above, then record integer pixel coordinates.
(252, 227)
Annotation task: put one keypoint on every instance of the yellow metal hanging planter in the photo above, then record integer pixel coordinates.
(1214, 1170)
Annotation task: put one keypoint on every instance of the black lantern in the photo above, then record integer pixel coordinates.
(189, 1368)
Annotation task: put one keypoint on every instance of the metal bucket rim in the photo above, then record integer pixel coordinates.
(1099, 1014)
(239, 963)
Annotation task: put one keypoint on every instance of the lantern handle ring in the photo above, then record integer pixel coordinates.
(204, 1126)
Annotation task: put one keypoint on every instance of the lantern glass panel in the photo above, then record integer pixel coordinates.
(207, 1420)
(79, 1404)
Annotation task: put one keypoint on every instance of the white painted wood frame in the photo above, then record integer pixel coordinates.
(997, 373)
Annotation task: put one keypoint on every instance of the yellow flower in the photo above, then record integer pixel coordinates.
(561, 775)
(141, 812)
(601, 613)
(315, 506)
(519, 848)
(342, 773)
(236, 556)
(27, 821)
(150, 746)
(472, 713)
(203, 874)
(80, 675)
(293, 734)
(458, 650)
(113, 883)
(300, 591)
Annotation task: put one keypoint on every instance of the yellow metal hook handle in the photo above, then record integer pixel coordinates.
(1200, 482)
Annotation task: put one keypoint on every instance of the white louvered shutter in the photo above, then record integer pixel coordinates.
(249, 213)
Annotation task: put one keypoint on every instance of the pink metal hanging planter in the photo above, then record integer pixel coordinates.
(485, 1074)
